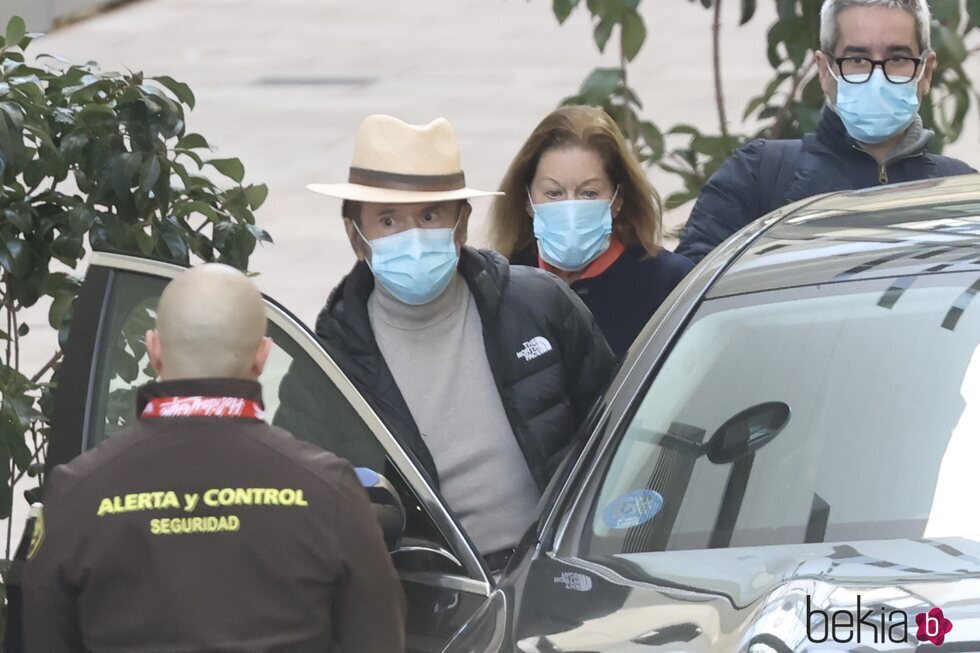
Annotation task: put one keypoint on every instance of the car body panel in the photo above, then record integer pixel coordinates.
(909, 229)
(749, 599)
(726, 600)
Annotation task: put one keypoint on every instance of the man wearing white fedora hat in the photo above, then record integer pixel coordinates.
(482, 370)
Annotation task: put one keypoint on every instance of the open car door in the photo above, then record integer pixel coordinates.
(304, 391)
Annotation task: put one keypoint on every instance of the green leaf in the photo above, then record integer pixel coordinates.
(11, 134)
(602, 33)
(180, 90)
(72, 146)
(684, 129)
(231, 168)
(34, 173)
(563, 9)
(149, 173)
(259, 233)
(23, 329)
(20, 217)
(198, 206)
(175, 245)
(654, 139)
(634, 34)
(946, 12)
(753, 104)
(793, 35)
(786, 9)
(192, 142)
(600, 85)
(951, 42)
(6, 491)
(68, 248)
(124, 170)
(973, 9)
(191, 154)
(675, 200)
(144, 241)
(256, 194)
(95, 112)
(16, 30)
(14, 256)
(56, 283)
(748, 10)
(126, 365)
(80, 219)
(59, 309)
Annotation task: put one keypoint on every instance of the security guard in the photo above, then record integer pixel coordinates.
(202, 528)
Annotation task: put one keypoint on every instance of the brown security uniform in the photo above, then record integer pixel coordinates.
(206, 533)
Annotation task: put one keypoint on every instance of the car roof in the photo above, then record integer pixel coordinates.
(923, 227)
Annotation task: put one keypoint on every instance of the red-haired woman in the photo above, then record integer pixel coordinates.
(578, 204)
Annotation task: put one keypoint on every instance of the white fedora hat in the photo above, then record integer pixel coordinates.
(398, 163)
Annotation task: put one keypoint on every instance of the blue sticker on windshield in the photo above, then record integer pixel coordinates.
(367, 477)
(633, 509)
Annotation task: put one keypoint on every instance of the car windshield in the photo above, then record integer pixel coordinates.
(842, 412)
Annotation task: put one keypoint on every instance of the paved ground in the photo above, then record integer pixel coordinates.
(284, 85)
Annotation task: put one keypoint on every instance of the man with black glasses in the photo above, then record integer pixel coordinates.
(875, 66)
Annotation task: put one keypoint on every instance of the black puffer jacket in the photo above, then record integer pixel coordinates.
(548, 357)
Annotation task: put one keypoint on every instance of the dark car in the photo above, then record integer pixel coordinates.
(789, 457)
(786, 461)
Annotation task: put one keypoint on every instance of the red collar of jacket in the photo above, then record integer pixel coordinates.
(596, 267)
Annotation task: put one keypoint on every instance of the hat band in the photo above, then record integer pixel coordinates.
(396, 181)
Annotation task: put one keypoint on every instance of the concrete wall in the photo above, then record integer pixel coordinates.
(40, 15)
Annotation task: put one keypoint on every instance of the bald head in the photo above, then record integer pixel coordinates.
(210, 323)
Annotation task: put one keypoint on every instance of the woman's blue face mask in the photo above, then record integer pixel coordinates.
(572, 233)
(415, 265)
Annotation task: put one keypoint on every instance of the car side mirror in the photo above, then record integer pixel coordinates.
(387, 505)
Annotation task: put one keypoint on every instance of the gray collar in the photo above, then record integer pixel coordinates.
(916, 139)
(914, 142)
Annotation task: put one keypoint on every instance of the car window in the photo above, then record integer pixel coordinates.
(298, 394)
(816, 414)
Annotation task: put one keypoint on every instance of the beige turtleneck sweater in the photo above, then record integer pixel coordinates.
(437, 356)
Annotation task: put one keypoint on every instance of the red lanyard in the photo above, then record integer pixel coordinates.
(203, 407)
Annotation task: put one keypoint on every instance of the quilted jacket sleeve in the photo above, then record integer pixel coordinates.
(728, 202)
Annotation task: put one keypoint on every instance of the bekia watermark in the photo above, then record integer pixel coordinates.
(874, 626)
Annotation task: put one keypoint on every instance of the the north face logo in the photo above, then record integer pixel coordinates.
(534, 347)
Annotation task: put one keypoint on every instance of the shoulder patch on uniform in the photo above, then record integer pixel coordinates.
(534, 347)
(37, 535)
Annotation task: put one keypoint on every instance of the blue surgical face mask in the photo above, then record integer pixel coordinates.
(573, 233)
(876, 110)
(415, 265)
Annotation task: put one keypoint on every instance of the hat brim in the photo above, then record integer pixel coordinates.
(360, 193)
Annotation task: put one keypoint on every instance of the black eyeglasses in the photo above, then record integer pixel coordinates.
(858, 70)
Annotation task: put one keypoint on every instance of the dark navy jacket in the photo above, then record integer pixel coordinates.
(828, 160)
(625, 296)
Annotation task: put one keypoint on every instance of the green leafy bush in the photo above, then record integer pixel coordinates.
(99, 160)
